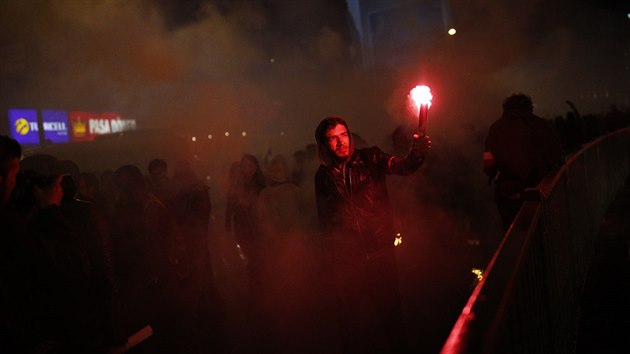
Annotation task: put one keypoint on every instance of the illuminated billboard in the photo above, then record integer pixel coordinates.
(63, 127)
(84, 126)
(23, 125)
(79, 126)
(55, 125)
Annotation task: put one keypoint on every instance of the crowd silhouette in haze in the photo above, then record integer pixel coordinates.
(90, 258)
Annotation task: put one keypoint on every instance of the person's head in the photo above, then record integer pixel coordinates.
(157, 168)
(10, 154)
(249, 167)
(518, 102)
(250, 172)
(42, 171)
(311, 151)
(70, 181)
(88, 185)
(129, 181)
(278, 170)
(334, 140)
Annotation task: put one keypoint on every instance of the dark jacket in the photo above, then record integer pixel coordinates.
(21, 262)
(524, 149)
(353, 206)
(47, 297)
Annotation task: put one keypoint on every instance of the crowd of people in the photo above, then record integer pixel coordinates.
(96, 264)
(101, 262)
(575, 129)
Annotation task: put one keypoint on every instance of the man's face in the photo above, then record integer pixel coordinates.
(338, 141)
(7, 184)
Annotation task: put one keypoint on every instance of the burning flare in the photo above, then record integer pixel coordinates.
(421, 95)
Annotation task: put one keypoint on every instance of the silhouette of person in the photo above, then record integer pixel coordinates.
(88, 186)
(19, 258)
(241, 215)
(192, 207)
(520, 150)
(48, 301)
(91, 225)
(153, 267)
(159, 183)
(297, 173)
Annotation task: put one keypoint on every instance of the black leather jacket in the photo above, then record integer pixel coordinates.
(353, 206)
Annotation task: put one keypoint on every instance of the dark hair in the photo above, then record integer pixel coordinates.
(518, 102)
(70, 180)
(258, 180)
(326, 124)
(90, 179)
(10, 149)
(325, 155)
(129, 180)
(157, 163)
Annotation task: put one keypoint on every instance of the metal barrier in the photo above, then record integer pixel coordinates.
(529, 297)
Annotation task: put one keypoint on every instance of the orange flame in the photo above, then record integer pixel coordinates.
(421, 95)
(398, 239)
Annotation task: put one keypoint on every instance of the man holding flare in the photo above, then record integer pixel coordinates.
(357, 228)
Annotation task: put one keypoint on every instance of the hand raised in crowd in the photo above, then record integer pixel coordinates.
(50, 195)
(420, 146)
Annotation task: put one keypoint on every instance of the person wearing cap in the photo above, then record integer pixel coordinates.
(357, 228)
(44, 276)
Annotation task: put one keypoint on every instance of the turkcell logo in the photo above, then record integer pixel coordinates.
(23, 123)
(55, 125)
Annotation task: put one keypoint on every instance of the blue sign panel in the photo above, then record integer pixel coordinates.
(55, 125)
(23, 126)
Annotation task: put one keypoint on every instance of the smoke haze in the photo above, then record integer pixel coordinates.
(279, 65)
(275, 68)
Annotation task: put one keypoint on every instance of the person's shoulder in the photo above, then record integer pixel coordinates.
(511, 124)
(322, 169)
(496, 125)
(324, 173)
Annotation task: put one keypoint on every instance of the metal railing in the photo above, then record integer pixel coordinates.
(528, 300)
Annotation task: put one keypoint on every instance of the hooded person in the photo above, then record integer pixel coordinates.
(357, 228)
